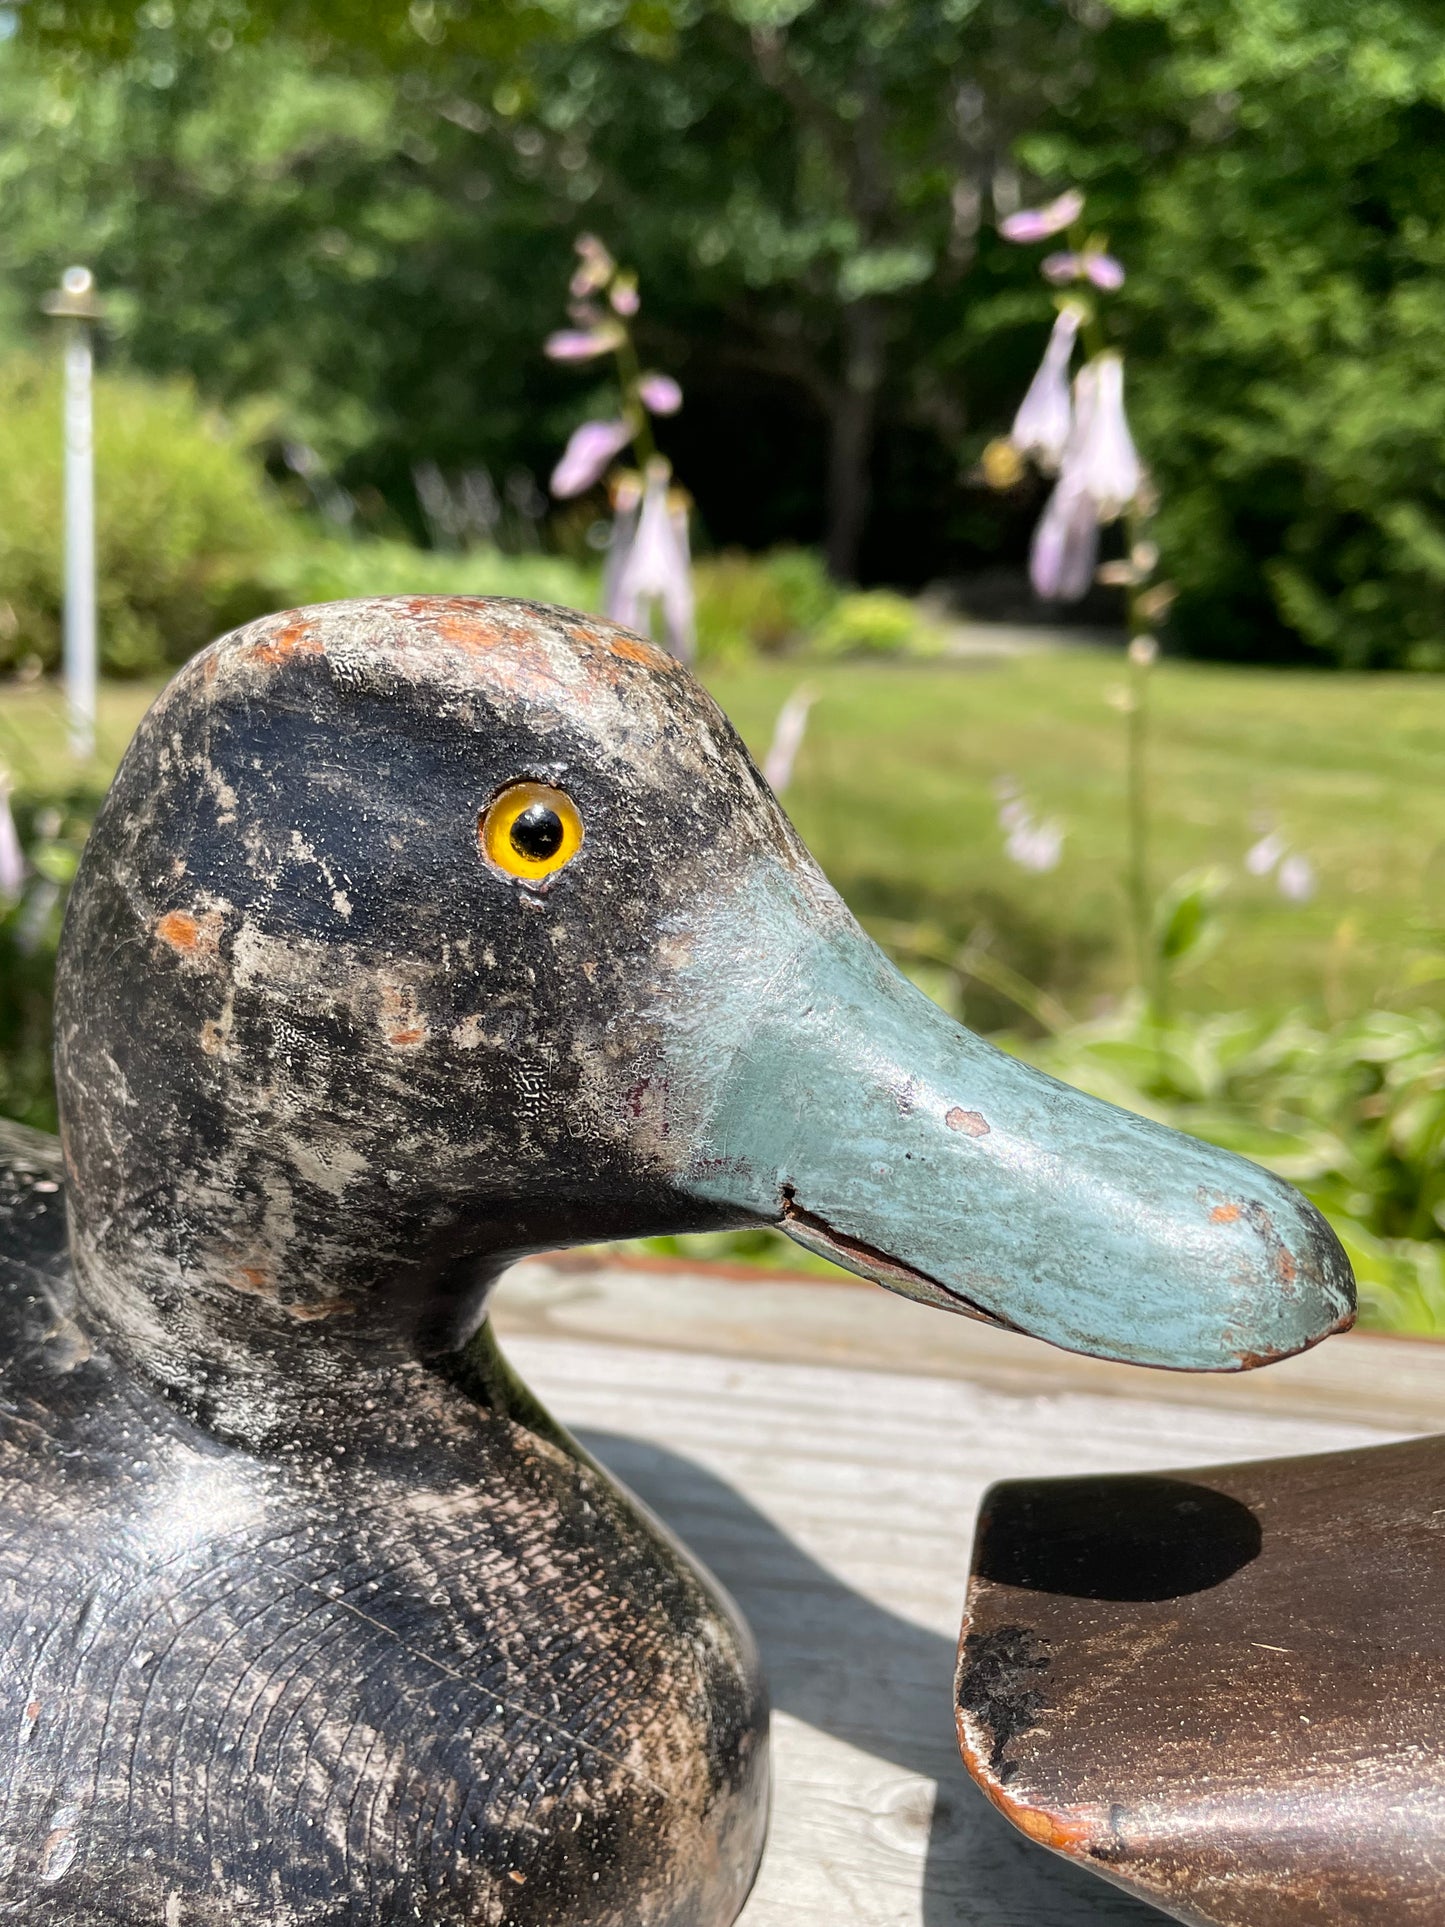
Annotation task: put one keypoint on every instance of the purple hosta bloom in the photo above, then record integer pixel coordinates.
(659, 394)
(582, 344)
(1038, 223)
(12, 857)
(624, 296)
(1104, 271)
(656, 571)
(1036, 846)
(1296, 878)
(1065, 545)
(585, 458)
(788, 738)
(1032, 846)
(1100, 460)
(595, 266)
(1046, 414)
(626, 506)
(1261, 857)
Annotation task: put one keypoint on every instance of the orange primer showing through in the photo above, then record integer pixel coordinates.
(179, 929)
(294, 636)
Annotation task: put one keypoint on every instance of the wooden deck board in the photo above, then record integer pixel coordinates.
(836, 1502)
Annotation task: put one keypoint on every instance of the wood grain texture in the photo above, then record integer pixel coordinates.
(837, 1506)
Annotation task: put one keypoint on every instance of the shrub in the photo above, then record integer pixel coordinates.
(185, 522)
(53, 829)
(325, 570)
(876, 623)
(763, 603)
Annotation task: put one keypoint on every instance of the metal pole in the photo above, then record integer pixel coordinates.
(79, 541)
(75, 303)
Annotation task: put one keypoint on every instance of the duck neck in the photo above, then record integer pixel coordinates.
(258, 1338)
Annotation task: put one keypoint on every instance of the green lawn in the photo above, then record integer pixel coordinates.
(894, 791)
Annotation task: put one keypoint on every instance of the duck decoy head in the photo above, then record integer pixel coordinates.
(418, 933)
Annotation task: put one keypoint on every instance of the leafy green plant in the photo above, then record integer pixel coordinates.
(763, 604)
(52, 832)
(325, 570)
(875, 622)
(186, 524)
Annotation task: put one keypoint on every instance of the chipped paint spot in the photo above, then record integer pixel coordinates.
(28, 1723)
(61, 1844)
(285, 636)
(254, 1280)
(402, 1022)
(307, 1314)
(971, 1123)
(341, 904)
(469, 1033)
(1224, 1214)
(191, 934)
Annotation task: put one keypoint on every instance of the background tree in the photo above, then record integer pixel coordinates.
(365, 215)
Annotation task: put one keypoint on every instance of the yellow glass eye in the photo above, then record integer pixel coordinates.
(530, 831)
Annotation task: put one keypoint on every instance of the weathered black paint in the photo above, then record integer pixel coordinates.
(319, 1618)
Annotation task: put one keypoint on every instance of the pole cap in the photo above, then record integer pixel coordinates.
(75, 299)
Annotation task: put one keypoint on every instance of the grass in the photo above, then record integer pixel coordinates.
(894, 790)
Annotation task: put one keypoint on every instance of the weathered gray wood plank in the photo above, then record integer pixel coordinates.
(837, 1503)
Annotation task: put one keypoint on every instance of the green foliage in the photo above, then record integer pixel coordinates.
(1185, 920)
(366, 216)
(762, 604)
(185, 522)
(52, 829)
(1353, 1113)
(322, 570)
(875, 622)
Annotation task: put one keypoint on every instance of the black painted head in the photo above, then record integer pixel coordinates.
(417, 933)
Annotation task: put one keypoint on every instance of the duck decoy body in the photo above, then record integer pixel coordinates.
(414, 935)
(1223, 1690)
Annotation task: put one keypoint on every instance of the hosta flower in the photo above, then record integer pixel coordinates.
(595, 266)
(656, 572)
(12, 857)
(1046, 414)
(1261, 857)
(1104, 271)
(1038, 223)
(659, 394)
(585, 458)
(1296, 878)
(1101, 461)
(624, 296)
(1036, 846)
(1092, 265)
(1065, 545)
(788, 738)
(1062, 267)
(582, 344)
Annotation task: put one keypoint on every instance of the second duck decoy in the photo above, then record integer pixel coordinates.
(1223, 1690)
(415, 935)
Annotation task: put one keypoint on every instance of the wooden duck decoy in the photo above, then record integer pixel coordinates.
(1224, 1690)
(415, 935)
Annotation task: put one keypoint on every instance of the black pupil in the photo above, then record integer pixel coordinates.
(537, 833)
